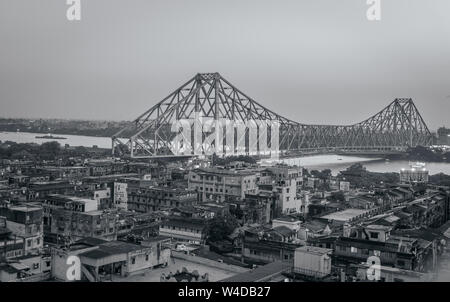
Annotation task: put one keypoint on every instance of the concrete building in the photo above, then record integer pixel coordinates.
(74, 225)
(222, 185)
(286, 183)
(400, 251)
(25, 222)
(312, 261)
(120, 196)
(70, 203)
(155, 198)
(11, 246)
(289, 222)
(184, 229)
(101, 260)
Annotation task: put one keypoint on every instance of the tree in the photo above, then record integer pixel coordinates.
(49, 150)
(337, 196)
(220, 227)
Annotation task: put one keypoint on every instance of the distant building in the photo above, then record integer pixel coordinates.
(417, 173)
(155, 198)
(120, 195)
(222, 185)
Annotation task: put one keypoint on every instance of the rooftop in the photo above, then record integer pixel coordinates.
(260, 274)
(345, 215)
(314, 250)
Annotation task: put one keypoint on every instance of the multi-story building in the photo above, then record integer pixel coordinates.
(42, 189)
(222, 185)
(403, 252)
(75, 225)
(149, 199)
(105, 167)
(11, 246)
(184, 229)
(70, 203)
(25, 222)
(285, 183)
(120, 195)
(260, 246)
(65, 172)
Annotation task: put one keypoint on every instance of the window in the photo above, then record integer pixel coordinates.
(373, 235)
(377, 253)
(146, 257)
(133, 260)
(29, 242)
(353, 249)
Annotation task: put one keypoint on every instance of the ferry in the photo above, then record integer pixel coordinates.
(49, 136)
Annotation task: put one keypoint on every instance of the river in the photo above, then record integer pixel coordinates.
(338, 163)
(319, 162)
(72, 140)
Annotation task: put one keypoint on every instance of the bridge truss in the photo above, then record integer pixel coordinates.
(393, 129)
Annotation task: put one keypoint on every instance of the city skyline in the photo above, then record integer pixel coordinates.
(295, 59)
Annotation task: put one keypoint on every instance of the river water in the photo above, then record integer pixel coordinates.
(319, 162)
(337, 163)
(72, 140)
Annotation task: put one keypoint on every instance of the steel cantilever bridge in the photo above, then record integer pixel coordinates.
(392, 130)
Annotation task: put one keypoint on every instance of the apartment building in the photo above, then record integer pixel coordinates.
(222, 185)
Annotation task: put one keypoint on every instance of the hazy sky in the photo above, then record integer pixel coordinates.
(313, 61)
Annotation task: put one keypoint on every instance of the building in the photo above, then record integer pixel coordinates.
(312, 261)
(260, 245)
(149, 199)
(39, 190)
(184, 229)
(65, 172)
(417, 173)
(289, 222)
(403, 252)
(73, 225)
(391, 274)
(285, 184)
(348, 215)
(70, 203)
(120, 195)
(25, 222)
(222, 185)
(254, 208)
(11, 246)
